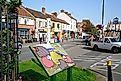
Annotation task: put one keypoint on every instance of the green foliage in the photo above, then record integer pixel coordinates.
(11, 5)
(89, 27)
(32, 71)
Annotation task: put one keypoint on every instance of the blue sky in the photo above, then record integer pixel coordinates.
(80, 9)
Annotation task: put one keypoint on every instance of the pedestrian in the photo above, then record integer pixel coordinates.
(40, 39)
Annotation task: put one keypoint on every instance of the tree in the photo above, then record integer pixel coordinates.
(88, 27)
(8, 55)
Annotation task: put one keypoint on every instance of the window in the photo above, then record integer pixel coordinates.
(45, 23)
(107, 40)
(25, 21)
(58, 26)
(53, 25)
(40, 23)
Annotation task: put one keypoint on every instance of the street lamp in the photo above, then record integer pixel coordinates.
(103, 7)
(115, 21)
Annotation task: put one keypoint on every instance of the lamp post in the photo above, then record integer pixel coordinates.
(115, 21)
(103, 7)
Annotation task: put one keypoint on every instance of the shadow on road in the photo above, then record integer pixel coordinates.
(99, 50)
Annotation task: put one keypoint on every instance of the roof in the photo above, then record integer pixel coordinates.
(36, 14)
(23, 12)
(39, 14)
(70, 16)
(54, 18)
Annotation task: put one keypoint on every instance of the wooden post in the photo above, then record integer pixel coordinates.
(69, 74)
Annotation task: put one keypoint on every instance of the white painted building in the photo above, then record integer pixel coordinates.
(40, 24)
(69, 19)
(26, 24)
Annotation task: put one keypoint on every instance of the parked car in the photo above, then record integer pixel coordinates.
(19, 45)
(20, 42)
(109, 43)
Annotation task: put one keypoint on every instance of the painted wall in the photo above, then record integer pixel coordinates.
(72, 22)
(40, 25)
(25, 20)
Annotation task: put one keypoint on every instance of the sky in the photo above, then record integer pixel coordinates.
(80, 9)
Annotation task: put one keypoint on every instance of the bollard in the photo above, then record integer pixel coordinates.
(109, 64)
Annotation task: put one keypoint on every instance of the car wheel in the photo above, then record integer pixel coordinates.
(95, 47)
(115, 50)
(20, 46)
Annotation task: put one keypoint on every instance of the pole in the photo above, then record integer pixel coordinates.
(115, 29)
(53, 78)
(103, 12)
(1, 41)
(109, 64)
(69, 74)
(102, 16)
(48, 30)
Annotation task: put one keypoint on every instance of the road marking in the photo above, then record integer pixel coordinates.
(116, 63)
(115, 72)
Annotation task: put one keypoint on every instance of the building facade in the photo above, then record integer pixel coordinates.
(72, 29)
(40, 24)
(26, 24)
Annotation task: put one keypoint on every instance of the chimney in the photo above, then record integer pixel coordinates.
(62, 11)
(54, 14)
(69, 13)
(66, 12)
(43, 10)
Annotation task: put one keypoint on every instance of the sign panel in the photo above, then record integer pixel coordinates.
(53, 57)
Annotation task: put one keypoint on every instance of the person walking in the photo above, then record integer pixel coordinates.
(40, 39)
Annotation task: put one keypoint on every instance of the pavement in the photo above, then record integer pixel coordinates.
(99, 76)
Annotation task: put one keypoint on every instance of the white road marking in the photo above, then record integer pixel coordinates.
(112, 71)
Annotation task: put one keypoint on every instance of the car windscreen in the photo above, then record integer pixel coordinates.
(115, 40)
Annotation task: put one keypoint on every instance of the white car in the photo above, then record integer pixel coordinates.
(19, 45)
(109, 43)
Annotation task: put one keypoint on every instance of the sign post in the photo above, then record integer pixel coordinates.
(69, 74)
(53, 78)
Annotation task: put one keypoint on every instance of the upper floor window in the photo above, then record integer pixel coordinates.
(58, 26)
(25, 21)
(40, 23)
(45, 23)
(53, 25)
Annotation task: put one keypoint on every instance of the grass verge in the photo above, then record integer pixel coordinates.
(31, 70)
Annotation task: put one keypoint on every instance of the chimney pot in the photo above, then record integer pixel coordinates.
(66, 12)
(62, 10)
(43, 10)
(54, 13)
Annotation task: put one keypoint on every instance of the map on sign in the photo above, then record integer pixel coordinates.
(53, 57)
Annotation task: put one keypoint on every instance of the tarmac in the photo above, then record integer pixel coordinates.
(99, 76)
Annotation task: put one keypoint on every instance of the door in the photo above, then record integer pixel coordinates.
(107, 44)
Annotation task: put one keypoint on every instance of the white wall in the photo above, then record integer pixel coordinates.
(39, 26)
(28, 20)
(72, 22)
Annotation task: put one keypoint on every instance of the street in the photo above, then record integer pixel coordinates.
(85, 57)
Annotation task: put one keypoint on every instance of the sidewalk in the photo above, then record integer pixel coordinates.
(100, 77)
